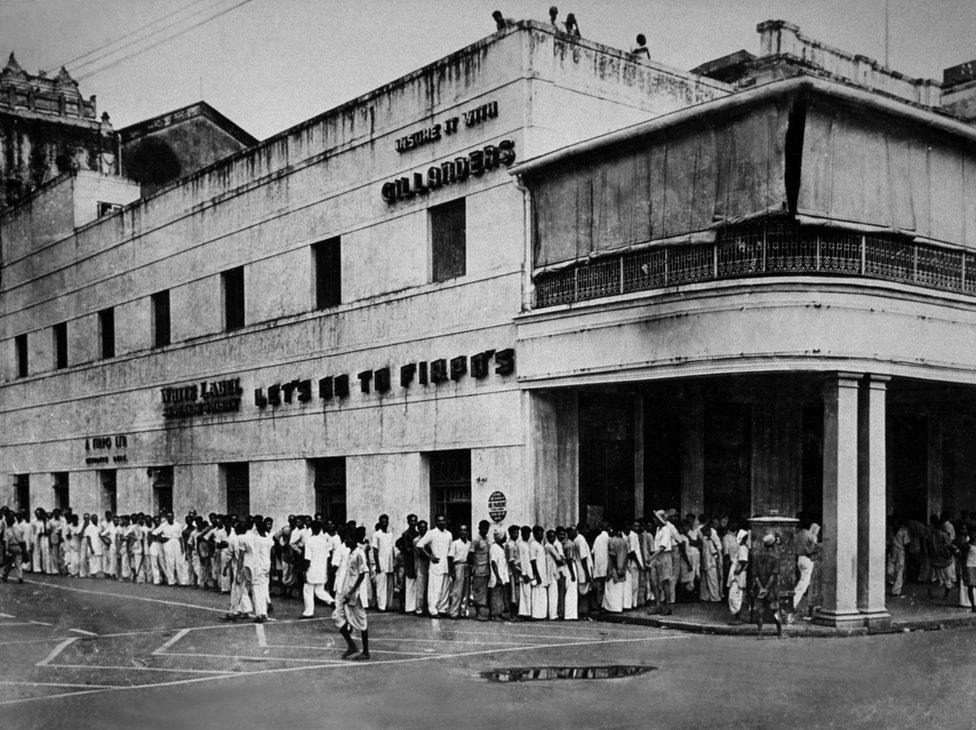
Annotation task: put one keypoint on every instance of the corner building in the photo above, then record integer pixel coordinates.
(536, 281)
(324, 321)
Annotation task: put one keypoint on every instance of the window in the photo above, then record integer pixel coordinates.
(107, 208)
(450, 487)
(20, 353)
(162, 485)
(326, 270)
(447, 240)
(232, 282)
(60, 489)
(160, 318)
(108, 479)
(60, 345)
(22, 491)
(106, 332)
(238, 488)
(330, 488)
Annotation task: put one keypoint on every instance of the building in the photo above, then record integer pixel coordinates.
(536, 281)
(47, 128)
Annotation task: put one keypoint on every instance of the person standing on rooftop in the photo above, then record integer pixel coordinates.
(572, 27)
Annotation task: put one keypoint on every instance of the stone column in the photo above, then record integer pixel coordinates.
(840, 471)
(871, 510)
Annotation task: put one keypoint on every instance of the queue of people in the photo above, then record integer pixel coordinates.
(522, 572)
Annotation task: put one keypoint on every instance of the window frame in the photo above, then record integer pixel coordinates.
(439, 247)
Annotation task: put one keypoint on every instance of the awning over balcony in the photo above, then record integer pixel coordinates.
(830, 154)
(677, 183)
(865, 168)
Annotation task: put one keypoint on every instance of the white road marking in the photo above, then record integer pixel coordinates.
(82, 631)
(134, 668)
(245, 658)
(39, 623)
(34, 641)
(5, 615)
(331, 665)
(262, 637)
(55, 651)
(170, 641)
(62, 684)
(17, 623)
(124, 595)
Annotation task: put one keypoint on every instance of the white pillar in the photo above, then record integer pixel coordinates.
(840, 472)
(871, 508)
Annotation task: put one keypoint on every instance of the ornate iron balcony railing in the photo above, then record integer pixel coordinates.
(774, 250)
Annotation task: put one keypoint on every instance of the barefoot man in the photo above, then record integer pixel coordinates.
(349, 612)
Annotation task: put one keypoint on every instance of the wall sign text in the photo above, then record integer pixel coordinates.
(433, 133)
(425, 373)
(216, 396)
(475, 164)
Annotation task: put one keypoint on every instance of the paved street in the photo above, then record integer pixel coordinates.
(142, 656)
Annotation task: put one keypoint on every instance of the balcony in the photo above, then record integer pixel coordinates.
(779, 249)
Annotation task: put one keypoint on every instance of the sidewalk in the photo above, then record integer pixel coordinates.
(913, 612)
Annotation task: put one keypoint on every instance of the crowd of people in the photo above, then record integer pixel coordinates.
(522, 572)
(939, 554)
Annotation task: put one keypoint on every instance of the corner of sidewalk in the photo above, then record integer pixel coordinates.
(803, 629)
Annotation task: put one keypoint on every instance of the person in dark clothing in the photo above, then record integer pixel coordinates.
(765, 575)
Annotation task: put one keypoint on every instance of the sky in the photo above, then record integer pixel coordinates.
(269, 64)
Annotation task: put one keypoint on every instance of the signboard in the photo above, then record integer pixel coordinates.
(451, 172)
(497, 506)
(216, 396)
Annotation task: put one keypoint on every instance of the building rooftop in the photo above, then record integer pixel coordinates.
(37, 94)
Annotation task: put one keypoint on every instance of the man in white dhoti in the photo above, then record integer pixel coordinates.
(437, 543)
(94, 547)
(635, 567)
(317, 551)
(169, 535)
(584, 567)
(539, 585)
(349, 613)
(240, 599)
(552, 579)
(525, 573)
(39, 545)
(601, 563)
(381, 545)
(616, 583)
(711, 565)
(568, 573)
(257, 561)
(738, 576)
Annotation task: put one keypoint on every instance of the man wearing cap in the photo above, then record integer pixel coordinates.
(480, 571)
(498, 581)
(660, 563)
(738, 576)
(765, 574)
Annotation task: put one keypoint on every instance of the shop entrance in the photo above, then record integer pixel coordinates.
(728, 459)
(606, 458)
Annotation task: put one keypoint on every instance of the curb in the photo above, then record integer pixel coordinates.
(804, 630)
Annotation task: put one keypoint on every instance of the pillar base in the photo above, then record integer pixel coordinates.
(839, 619)
(876, 619)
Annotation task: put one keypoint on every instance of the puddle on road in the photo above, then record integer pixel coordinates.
(532, 674)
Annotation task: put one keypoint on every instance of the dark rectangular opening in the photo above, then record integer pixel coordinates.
(106, 331)
(20, 352)
(60, 489)
(330, 488)
(327, 270)
(162, 486)
(160, 318)
(233, 287)
(728, 459)
(108, 497)
(22, 491)
(606, 458)
(448, 240)
(450, 487)
(238, 486)
(60, 345)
